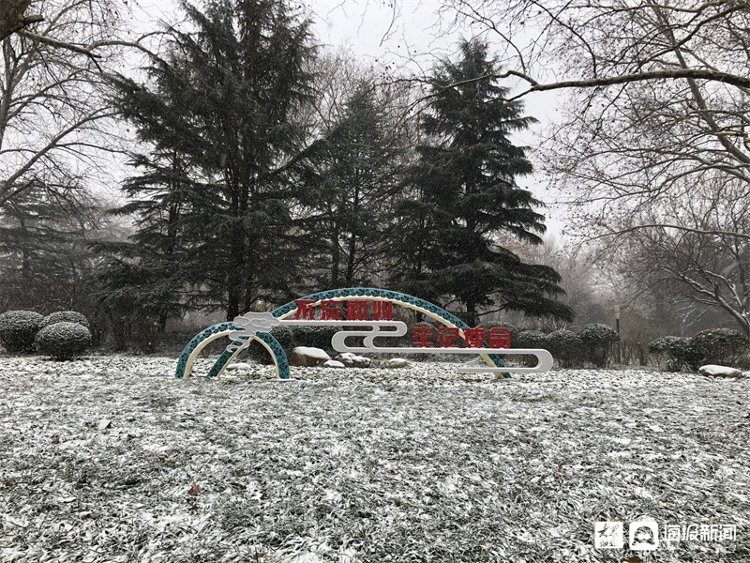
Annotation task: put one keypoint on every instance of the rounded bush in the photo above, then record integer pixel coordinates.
(678, 352)
(63, 341)
(18, 329)
(664, 345)
(597, 341)
(566, 347)
(719, 345)
(65, 317)
(529, 339)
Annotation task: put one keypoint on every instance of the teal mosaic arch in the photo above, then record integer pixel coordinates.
(205, 337)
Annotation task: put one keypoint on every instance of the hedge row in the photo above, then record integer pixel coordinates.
(722, 346)
(591, 344)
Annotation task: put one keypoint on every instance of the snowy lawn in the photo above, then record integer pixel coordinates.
(111, 459)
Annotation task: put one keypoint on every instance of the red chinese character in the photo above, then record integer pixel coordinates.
(304, 310)
(474, 337)
(422, 336)
(382, 311)
(499, 337)
(356, 310)
(330, 310)
(447, 335)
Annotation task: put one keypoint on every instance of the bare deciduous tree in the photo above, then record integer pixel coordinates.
(659, 95)
(707, 266)
(51, 102)
(654, 151)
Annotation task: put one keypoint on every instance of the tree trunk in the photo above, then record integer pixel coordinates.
(12, 18)
(236, 261)
(335, 256)
(351, 259)
(471, 313)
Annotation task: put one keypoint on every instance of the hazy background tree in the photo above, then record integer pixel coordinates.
(350, 180)
(708, 267)
(45, 261)
(52, 138)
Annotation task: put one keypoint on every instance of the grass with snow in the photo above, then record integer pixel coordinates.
(111, 459)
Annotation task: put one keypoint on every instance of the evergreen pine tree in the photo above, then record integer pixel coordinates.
(466, 199)
(220, 115)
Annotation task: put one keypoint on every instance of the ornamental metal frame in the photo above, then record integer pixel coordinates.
(256, 326)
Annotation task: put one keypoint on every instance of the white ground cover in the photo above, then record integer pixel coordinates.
(111, 459)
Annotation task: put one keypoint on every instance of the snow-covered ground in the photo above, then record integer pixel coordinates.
(111, 459)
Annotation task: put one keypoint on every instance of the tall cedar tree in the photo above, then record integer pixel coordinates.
(466, 199)
(220, 113)
(349, 178)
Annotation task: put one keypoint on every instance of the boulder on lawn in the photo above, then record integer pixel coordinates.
(334, 364)
(307, 356)
(397, 363)
(352, 360)
(719, 371)
(239, 366)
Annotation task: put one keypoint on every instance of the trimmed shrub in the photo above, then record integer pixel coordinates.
(314, 336)
(257, 352)
(65, 317)
(678, 353)
(566, 347)
(63, 341)
(528, 339)
(18, 329)
(719, 345)
(597, 341)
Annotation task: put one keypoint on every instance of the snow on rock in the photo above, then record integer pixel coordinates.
(719, 371)
(397, 363)
(352, 360)
(334, 364)
(240, 366)
(307, 356)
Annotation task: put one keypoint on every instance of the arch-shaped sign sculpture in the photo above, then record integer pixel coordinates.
(257, 326)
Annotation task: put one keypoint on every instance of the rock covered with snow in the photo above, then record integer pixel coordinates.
(334, 364)
(353, 360)
(719, 371)
(239, 366)
(307, 356)
(397, 363)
